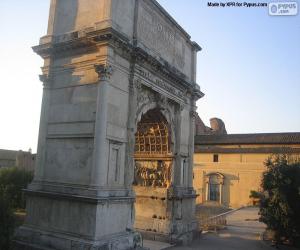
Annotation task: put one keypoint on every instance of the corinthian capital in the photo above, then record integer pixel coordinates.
(45, 79)
(193, 114)
(104, 71)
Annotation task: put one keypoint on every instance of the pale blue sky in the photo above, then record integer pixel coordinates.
(249, 67)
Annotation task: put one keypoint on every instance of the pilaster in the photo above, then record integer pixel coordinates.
(42, 139)
(100, 165)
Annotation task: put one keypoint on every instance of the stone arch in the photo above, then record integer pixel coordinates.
(153, 135)
(166, 112)
(153, 166)
(154, 148)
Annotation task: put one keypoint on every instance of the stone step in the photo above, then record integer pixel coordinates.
(155, 245)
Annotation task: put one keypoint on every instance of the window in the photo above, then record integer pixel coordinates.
(214, 186)
(214, 194)
(216, 158)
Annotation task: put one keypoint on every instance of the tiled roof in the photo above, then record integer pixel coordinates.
(256, 150)
(264, 138)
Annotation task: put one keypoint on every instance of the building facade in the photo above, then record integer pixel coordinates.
(228, 166)
(14, 158)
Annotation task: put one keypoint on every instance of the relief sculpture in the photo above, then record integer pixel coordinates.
(152, 173)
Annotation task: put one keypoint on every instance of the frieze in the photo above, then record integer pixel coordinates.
(153, 173)
(56, 48)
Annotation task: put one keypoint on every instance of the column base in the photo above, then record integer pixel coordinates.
(71, 222)
(186, 236)
(27, 238)
(166, 215)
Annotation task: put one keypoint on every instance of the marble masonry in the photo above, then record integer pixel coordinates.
(116, 138)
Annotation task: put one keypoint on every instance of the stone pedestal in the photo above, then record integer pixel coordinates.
(165, 214)
(106, 63)
(56, 221)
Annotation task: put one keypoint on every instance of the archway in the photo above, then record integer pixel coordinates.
(153, 172)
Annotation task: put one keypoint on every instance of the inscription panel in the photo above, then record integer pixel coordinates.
(157, 82)
(156, 33)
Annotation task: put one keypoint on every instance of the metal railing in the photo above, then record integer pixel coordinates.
(214, 222)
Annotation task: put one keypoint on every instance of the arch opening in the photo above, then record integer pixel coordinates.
(152, 173)
(153, 151)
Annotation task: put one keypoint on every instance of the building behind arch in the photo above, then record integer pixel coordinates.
(17, 158)
(228, 166)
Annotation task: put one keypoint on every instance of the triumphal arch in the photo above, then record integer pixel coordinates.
(116, 138)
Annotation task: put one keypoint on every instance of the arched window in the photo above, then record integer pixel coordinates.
(214, 189)
(214, 184)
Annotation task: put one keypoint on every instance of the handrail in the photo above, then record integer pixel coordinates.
(214, 221)
(219, 220)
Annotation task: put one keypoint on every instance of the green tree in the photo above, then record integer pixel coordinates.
(280, 201)
(255, 194)
(7, 222)
(12, 181)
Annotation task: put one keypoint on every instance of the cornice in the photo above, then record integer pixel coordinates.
(53, 46)
(249, 150)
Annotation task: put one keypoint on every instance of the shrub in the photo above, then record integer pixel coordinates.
(12, 181)
(255, 195)
(7, 222)
(280, 202)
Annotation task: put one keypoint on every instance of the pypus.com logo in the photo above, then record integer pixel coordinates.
(283, 8)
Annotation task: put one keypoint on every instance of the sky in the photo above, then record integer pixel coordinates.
(249, 67)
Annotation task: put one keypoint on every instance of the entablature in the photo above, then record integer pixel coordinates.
(53, 46)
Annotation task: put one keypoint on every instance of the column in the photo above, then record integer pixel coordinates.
(132, 106)
(191, 142)
(40, 159)
(177, 156)
(207, 192)
(220, 191)
(100, 166)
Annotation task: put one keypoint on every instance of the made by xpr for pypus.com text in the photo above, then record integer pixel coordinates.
(237, 4)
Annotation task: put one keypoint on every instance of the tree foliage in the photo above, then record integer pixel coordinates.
(12, 181)
(255, 194)
(7, 222)
(280, 201)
